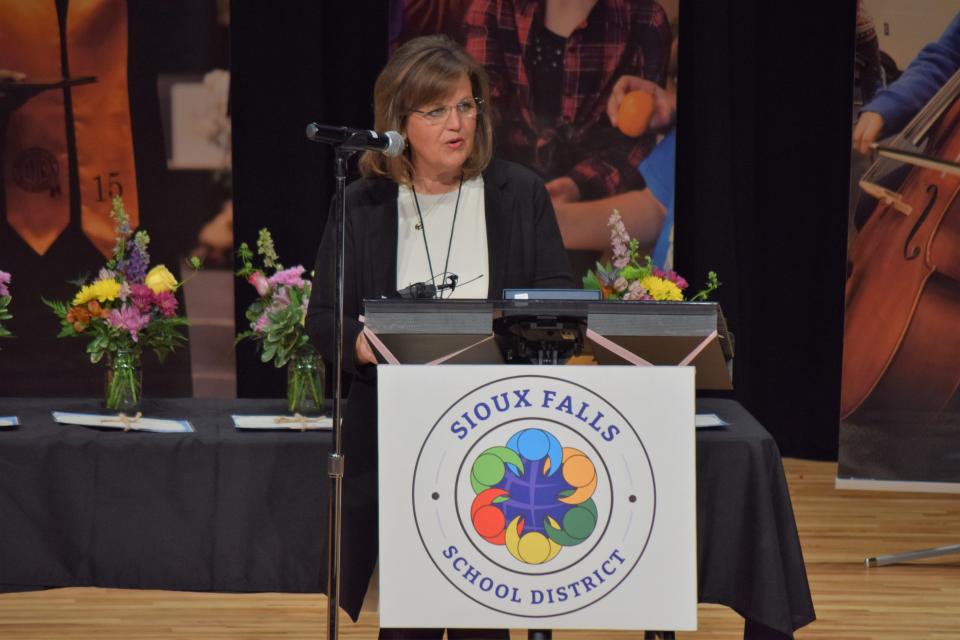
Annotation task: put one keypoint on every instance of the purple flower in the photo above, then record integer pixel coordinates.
(129, 319)
(134, 268)
(166, 302)
(4, 281)
(291, 277)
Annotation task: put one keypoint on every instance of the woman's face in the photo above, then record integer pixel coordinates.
(440, 145)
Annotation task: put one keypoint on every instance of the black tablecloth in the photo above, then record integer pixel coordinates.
(221, 510)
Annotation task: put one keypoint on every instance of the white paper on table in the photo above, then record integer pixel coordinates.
(115, 421)
(286, 423)
(708, 420)
(9, 421)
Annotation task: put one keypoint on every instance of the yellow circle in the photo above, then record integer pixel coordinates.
(578, 471)
(534, 548)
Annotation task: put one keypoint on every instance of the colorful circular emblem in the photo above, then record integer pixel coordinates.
(534, 496)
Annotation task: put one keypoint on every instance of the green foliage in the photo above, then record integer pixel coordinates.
(267, 251)
(277, 317)
(5, 315)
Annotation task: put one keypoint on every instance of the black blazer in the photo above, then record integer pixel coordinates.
(524, 249)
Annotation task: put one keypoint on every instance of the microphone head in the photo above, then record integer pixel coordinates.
(396, 144)
(312, 130)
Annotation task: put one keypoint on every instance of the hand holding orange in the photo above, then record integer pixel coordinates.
(635, 112)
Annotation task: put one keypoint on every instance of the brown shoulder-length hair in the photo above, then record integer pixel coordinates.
(421, 72)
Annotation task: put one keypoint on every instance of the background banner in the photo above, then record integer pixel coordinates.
(900, 415)
(553, 68)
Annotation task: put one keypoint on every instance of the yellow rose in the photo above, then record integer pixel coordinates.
(159, 279)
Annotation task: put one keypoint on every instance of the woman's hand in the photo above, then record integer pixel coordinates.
(868, 128)
(363, 352)
(664, 102)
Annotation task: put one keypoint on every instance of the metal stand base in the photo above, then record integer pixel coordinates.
(896, 558)
(659, 635)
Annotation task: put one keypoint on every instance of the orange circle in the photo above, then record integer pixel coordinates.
(578, 471)
(635, 112)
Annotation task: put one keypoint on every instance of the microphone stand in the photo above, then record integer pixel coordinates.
(335, 461)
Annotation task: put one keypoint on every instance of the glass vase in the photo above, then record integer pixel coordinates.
(124, 381)
(305, 382)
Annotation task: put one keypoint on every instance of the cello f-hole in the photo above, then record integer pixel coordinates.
(912, 255)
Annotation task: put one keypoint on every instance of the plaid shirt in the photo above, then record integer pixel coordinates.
(618, 37)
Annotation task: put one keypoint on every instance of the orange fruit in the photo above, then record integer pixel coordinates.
(635, 112)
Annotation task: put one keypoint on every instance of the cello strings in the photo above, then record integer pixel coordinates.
(910, 137)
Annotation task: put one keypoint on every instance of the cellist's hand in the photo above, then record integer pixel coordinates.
(866, 131)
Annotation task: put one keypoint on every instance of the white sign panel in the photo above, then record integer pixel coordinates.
(537, 497)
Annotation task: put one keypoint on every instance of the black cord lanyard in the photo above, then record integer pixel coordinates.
(423, 231)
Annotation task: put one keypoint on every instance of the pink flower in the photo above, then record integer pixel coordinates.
(620, 284)
(636, 292)
(166, 303)
(129, 319)
(619, 240)
(4, 281)
(141, 296)
(261, 323)
(291, 277)
(672, 276)
(260, 283)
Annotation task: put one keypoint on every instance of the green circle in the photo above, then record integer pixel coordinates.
(579, 523)
(488, 469)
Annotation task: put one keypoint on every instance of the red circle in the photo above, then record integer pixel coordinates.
(489, 521)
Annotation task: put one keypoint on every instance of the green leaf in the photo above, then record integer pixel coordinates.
(590, 281)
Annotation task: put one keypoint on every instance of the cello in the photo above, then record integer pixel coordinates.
(901, 337)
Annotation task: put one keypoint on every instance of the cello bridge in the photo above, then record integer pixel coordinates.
(887, 197)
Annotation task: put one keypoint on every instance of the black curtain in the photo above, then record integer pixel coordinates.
(765, 90)
(293, 63)
(762, 176)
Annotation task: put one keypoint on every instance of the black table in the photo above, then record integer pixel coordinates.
(221, 510)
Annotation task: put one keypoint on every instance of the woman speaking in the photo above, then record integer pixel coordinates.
(443, 212)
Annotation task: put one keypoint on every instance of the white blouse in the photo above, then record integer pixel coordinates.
(468, 256)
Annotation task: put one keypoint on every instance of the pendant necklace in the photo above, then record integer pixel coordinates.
(456, 206)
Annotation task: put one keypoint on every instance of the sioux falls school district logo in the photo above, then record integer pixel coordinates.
(534, 496)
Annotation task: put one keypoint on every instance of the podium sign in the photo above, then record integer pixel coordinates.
(537, 497)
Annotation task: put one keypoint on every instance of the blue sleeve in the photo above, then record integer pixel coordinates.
(928, 72)
(659, 168)
(659, 171)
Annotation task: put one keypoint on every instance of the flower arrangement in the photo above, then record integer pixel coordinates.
(127, 307)
(277, 318)
(5, 298)
(629, 278)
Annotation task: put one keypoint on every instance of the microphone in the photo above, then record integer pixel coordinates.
(390, 143)
(425, 290)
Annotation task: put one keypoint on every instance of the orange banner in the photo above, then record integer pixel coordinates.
(35, 155)
(35, 169)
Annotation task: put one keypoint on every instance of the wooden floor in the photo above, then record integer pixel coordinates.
(837, 529)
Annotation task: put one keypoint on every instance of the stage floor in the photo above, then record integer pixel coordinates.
(838, 529)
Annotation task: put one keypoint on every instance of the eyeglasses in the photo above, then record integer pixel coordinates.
(468, 108)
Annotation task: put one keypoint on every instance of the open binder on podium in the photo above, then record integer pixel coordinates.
(612, 332)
